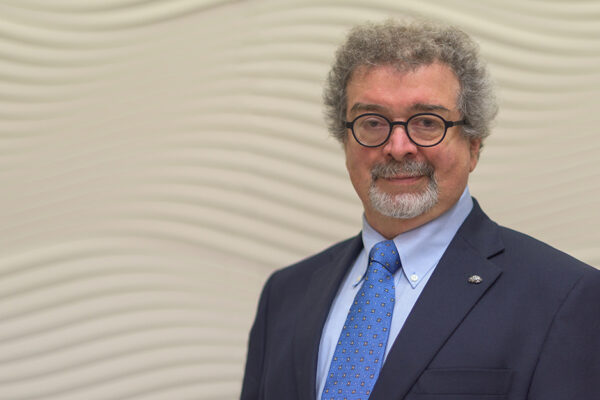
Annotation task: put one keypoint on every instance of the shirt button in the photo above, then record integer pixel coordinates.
(414, 277)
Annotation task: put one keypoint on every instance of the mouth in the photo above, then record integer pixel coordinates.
(404, 172)
(403, 176)
(401, 180)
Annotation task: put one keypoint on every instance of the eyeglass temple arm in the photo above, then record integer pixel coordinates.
(450, 124)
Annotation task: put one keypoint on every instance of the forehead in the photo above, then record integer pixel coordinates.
(388, 87)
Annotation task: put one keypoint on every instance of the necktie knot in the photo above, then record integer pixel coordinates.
(386, 254)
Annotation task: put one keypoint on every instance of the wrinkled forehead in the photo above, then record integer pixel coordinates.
(436, 81)
(361, 70)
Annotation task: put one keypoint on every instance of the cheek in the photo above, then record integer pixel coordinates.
(353, 165)
(359, 168)
(452, 167)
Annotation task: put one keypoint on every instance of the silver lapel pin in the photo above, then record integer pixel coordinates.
(475, 279)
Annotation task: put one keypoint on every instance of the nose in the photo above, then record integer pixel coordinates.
(399, 144)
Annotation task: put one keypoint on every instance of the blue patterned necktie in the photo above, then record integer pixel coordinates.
(360, 350)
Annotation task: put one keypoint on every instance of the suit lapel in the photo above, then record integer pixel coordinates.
(444, 303)
(321, 291)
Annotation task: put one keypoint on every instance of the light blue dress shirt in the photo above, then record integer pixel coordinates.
(420, 251)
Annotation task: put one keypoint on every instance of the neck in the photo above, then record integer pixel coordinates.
(390, 227)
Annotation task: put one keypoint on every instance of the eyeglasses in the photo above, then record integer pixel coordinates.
(423, 129)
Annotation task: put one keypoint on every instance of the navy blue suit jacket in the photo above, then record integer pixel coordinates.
(529, 330)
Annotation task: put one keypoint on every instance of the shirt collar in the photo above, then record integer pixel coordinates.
(420, 249)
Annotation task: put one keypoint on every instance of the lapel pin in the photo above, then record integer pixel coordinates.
(475, 279)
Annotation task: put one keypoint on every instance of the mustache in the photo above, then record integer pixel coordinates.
(404, 167)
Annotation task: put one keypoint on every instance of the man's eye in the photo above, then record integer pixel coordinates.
(426, 123)
(373, 123)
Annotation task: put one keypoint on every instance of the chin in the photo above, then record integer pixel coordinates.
(404, 205)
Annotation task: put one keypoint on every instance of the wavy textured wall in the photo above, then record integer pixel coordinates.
(159, 158)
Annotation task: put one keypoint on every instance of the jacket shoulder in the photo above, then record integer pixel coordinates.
(308, 265)
(537, 254)
(513, 251)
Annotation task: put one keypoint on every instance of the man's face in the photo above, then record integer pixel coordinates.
(400, 179)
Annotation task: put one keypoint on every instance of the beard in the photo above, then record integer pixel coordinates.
(403, 205)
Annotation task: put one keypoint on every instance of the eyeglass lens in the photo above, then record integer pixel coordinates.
(373, 130)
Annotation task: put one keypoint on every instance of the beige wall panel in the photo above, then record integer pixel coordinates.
(158, 159)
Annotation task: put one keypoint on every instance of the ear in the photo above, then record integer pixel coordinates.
(474, 149)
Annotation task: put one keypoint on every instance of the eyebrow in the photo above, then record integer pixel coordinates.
(367, 107)
(429, 107)
(419, 107)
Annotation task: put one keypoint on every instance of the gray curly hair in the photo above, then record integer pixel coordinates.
(407, 46)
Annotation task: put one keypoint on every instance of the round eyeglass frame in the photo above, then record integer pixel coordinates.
(447, 124)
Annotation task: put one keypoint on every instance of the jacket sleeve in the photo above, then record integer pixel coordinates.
(569, 364)
(251, 386)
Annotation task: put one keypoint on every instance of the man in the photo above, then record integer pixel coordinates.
(432, 300)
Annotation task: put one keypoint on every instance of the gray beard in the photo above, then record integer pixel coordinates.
(405, 205)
